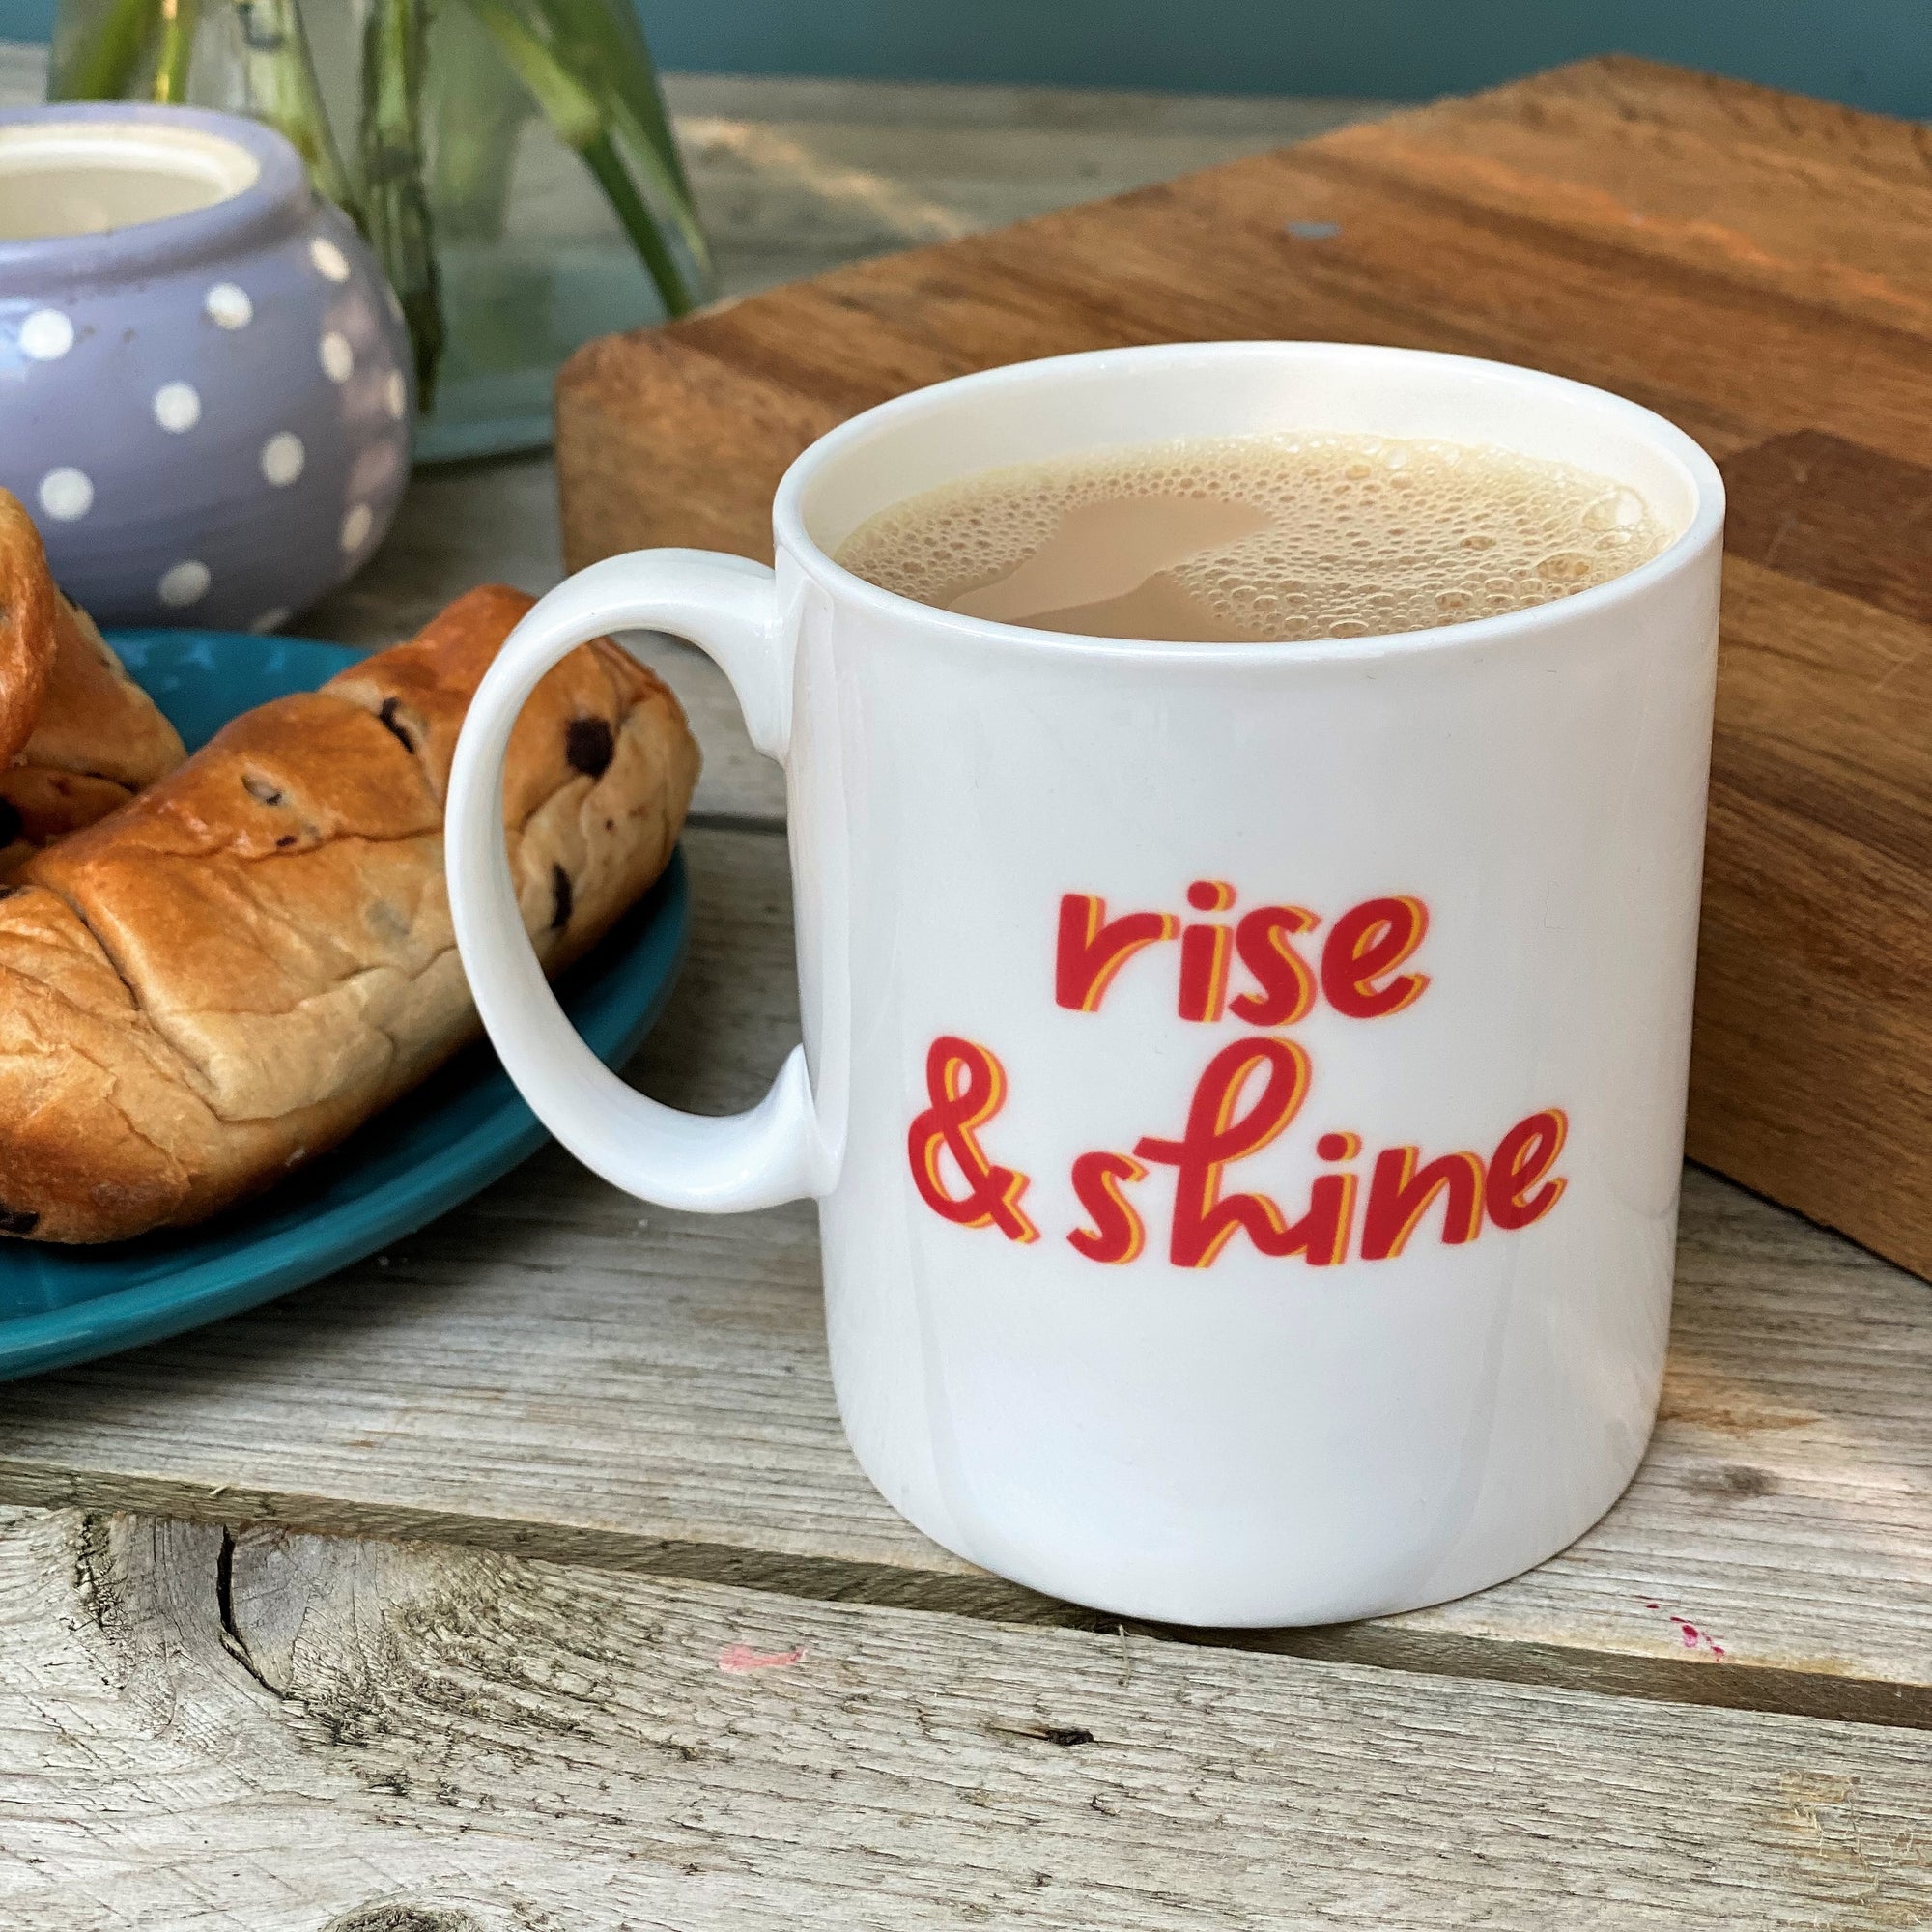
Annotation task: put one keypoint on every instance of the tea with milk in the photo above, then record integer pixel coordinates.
(1258, 539)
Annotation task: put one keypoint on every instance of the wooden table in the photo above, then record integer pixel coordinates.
(521, 1577)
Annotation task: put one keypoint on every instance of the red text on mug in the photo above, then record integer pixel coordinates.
(1267, 968)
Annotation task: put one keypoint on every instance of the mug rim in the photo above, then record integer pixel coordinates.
(1699, 534)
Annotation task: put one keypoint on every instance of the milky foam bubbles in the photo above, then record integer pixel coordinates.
(1364, 535)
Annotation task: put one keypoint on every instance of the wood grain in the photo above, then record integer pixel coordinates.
(558, 1370)
(1753, 264)
(1816, 948)
(1826, 513)
(793, 176)
(205, 1728)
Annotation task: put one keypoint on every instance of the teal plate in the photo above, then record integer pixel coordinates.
(455, 1134)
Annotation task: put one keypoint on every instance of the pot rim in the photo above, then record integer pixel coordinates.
(278, 200)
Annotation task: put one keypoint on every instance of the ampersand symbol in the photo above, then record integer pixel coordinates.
(967, 1086)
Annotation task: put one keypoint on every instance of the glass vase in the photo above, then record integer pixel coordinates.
(509, 160)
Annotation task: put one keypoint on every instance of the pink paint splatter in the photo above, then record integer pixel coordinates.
(1689, 1635)
(1695, 1639)
(739, 1660)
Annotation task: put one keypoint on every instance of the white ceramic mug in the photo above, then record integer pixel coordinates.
(1242, 1085)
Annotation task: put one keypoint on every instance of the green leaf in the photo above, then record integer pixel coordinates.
(586, 118)
(395, 203)
(605, 47)
(279, 87)
(177, 19)
(98, 62)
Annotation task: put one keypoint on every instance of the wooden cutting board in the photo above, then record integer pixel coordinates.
(1754, 264)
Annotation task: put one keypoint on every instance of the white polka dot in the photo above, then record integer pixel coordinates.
(356, 527)
(282, 458)
(184, 583)
(66, 494)
(46, 335)
(176, 407)
(329, 259)
(338, 360)
(228, 307)
(396, 393)
(270, 620)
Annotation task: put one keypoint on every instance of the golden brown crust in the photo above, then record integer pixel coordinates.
(27, 599)
(98, 741)
(95, 719)
(255, 955)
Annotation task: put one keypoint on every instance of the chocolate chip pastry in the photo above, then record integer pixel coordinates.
(78, 737)
(226, 978)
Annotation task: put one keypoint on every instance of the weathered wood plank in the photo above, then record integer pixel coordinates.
(559, 1369)
(257, 1730)
(821, 171)
(1110, 120)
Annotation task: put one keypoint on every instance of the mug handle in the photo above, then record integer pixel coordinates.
(727, 606)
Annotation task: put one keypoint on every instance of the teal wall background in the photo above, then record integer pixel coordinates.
(1872, 53)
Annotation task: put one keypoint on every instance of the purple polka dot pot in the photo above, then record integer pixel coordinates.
(205, 383)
